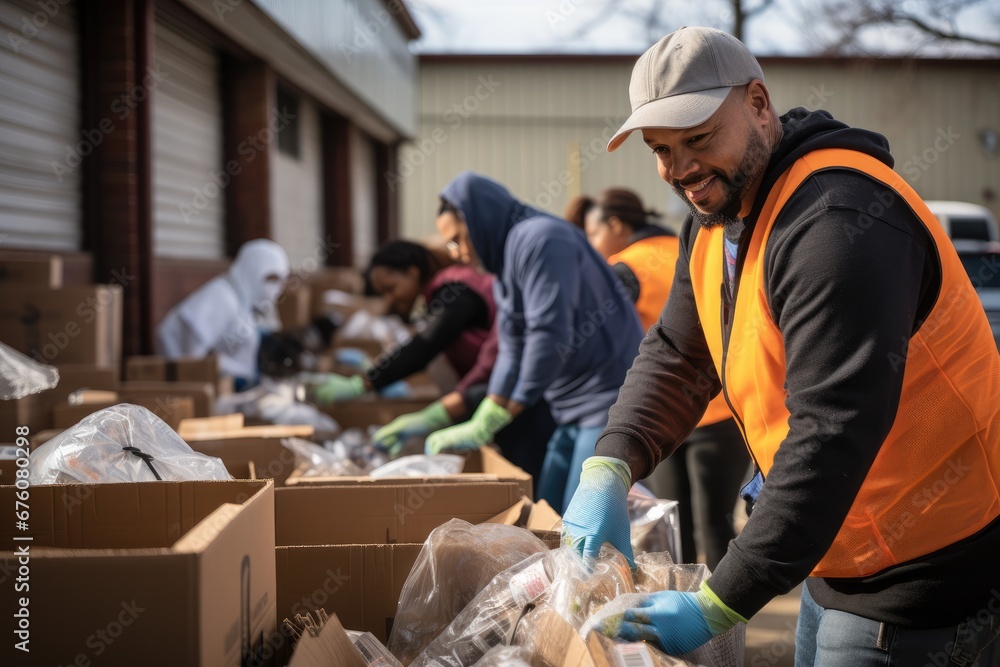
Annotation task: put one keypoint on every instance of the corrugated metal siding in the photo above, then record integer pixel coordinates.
(40, 141)
(188, 204)
(524, 132)
(363, 200)
(297, 191)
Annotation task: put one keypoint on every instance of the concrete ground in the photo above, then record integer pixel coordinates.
(771, 633)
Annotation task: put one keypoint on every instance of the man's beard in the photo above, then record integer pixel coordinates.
(755, 159)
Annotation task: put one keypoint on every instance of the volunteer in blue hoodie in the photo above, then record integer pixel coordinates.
(568, 331)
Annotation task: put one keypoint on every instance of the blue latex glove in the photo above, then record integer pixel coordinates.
(398, 389)
(678, 622)
(336, 388)
(598, 512)
(488, 418)
(393, 436)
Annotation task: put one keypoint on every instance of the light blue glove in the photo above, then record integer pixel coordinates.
(335, 388)
(398, 389)
(393, 436)
(488, 418)
(678, 622)
(598, 512)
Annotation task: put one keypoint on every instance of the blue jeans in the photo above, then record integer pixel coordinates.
(569, 445)
(832, 638)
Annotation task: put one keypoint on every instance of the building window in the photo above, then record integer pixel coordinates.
(288, 136)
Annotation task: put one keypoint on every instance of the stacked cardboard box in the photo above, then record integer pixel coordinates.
(31, 269)
(113, 567)
(161, 369)
(36, 411)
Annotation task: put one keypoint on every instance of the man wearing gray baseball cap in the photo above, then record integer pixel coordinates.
(817, 292)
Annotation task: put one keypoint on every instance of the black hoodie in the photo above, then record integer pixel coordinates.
(851, 274)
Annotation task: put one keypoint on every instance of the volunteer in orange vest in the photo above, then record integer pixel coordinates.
(821, 297)
(705, 471)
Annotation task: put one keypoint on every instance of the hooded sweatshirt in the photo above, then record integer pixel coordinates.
(222, 315)
(849, 280)
(567, 329)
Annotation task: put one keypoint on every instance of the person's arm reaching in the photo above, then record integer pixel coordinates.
(465, 309)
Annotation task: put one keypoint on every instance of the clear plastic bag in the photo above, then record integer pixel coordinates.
(372, 650)
(622, 654)
(355, 445)
(22, 376)
(561, 579)
(726, 650)
(655, 523)
(458, 561)
(312, 460)
(123, 443)
(506, 656)
(420, 465)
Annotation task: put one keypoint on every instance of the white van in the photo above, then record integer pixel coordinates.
(965, 221)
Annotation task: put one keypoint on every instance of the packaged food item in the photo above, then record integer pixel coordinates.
(655, 523)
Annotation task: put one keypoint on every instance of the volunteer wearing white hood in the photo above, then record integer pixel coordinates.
(222, 316)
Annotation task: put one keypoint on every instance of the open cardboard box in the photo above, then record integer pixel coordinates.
(482, 465)
(245, 450)
(332, 646)
(349, 548)
(373, 410)
(171, 573)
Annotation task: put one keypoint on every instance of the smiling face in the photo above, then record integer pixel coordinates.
(716, 167)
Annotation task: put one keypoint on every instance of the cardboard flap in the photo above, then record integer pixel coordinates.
(273, 432)
(192, 429)
(543, 517)
(207, 529)
(557, 643)
(331, 647)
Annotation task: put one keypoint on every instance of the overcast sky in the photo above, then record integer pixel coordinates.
(787, 27)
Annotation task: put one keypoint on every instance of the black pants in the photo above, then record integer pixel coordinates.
(523, 441)
(705, 475)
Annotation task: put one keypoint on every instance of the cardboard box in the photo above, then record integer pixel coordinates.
(244, 449)
(295, 306)
(372, 410)
(171, 409)
(41, 271)
(166, 573)
(482, 465)
(59, 326)
(161, 369)
(331, 647)
(354, 563)
(31, 411)
(202, 393)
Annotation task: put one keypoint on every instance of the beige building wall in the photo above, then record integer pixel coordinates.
(539, 125)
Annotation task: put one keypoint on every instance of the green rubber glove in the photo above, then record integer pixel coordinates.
(473, 434)
(336, 388)
(393, 436)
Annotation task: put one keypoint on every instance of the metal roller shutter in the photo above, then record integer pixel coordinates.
(41, 145)
(188, 204)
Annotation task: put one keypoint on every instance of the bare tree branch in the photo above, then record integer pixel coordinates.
(941, 34)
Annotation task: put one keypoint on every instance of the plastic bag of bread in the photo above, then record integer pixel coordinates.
(457, 561)
(580, 589)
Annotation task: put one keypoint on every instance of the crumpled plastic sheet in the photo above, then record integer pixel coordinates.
(457, 562)
(655, 523)
(22, 376)
(421, 465)
(372, 650)
(355, 445)
(624, 654)
(656, 573)
(312, 460)
(506, 656)
(274, 401)
(561, 578)
(93, 452)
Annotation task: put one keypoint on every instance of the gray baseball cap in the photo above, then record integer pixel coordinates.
(683, 79)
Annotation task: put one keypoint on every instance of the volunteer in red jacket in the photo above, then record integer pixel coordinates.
(705, 471)
(818, 293)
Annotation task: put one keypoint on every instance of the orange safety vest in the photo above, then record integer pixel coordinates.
(936, 477)
(653, 261)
